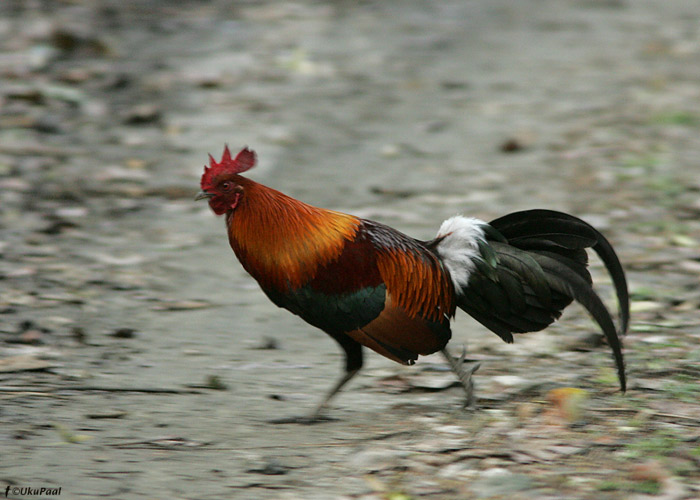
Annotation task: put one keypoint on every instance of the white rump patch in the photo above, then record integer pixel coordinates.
(460, 247)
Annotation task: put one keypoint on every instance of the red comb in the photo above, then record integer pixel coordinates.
(244, 160)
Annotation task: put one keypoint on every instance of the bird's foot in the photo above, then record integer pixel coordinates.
(464, 376)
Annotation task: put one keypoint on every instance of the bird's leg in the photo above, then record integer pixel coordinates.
(317, 413)
(353, 363)
(464, 376)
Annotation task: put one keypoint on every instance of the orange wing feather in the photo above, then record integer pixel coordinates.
(419, 299)
(418, 283)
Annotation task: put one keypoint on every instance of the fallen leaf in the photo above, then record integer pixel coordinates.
(651, 470)
(69, 436)
(569, 402)
(645, 305)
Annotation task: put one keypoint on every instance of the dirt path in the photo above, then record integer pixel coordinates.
(138, 360)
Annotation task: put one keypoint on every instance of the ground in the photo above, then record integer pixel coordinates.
(138, 360)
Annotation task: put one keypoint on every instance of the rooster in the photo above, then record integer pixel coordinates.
(366, 284)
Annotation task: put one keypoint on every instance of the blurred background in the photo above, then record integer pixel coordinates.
(138, 359)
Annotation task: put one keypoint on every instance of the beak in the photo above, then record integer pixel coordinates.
(202, 195)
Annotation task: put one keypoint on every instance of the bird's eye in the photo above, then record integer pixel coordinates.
(226, 185)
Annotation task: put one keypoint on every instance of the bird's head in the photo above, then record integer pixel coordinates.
(221, 183)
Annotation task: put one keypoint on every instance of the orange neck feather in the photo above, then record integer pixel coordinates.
(281, 241)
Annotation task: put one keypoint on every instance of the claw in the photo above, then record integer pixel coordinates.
(468, 385)
(469, 400)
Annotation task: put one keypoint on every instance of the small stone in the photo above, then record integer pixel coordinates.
(33, 337)
(512, 145)
(269, 467)
(268, 344)
(124, 333)
(79, 335)
(143, 114)
(214, 382)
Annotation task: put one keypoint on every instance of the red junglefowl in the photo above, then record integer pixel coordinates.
(366, 284)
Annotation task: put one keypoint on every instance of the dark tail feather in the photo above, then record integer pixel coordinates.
(606, 253)
(540, 269)
(568, 282)
(532, 226)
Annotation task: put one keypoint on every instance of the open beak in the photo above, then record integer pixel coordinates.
(202, 195)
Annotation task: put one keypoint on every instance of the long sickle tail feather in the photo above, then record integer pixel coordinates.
(564, 280)
(540, 223)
